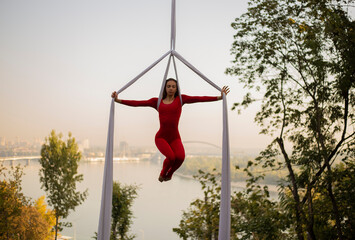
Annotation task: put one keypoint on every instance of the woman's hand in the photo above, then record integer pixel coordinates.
(114, 95)
(224, 90)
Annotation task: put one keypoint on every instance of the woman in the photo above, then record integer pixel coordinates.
(168, 139)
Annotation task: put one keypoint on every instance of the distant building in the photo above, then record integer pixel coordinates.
(2, 141)
(123, 149)
(85, 144)
(38, 141)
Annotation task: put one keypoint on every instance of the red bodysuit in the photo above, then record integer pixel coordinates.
(168, 139)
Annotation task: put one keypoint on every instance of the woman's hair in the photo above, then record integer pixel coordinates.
(177, 88)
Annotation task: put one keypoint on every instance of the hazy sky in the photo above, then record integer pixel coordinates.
(60, 61)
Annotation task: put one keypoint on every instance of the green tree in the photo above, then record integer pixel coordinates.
(298, 56)
(121, 216)
(253, 214)
(59, 175)
(122, 200)
(202, 218)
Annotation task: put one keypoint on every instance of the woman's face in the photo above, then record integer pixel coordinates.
(171, 88)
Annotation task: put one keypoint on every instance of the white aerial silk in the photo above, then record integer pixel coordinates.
(106, 198)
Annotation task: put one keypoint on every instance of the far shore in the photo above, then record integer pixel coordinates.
(234, 185)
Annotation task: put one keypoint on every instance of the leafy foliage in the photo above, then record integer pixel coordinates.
(59, 175)
(121, 217)
(201, 220)
(21, 219)
(122, 200)
(254, 215)
(47, 214)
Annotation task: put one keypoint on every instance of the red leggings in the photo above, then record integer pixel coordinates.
(175, 154)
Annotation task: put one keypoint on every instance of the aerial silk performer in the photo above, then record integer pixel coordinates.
(168, 139)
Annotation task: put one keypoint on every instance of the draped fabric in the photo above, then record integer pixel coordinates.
(106, 198)
(107, 185)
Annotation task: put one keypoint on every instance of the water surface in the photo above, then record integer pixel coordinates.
(157, 209)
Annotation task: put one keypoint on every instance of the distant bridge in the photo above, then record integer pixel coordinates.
(202, 142)
(157, 156)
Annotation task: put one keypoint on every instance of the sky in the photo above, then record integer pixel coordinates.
(61, 60)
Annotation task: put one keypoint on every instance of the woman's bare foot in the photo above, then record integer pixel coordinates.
(161, 179)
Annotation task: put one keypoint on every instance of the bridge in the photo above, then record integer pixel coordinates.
(16, 158)
(158, 157)
(13, 160)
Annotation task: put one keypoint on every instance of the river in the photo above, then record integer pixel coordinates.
(157, 209)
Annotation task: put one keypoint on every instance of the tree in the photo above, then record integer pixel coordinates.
(11, 202)
(20, 218)
(59, 175)
(253, 214)
(121, 216)
(202, 218)
(298, 57)
(122, 200)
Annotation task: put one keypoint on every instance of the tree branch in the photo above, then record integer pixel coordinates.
(294, 191)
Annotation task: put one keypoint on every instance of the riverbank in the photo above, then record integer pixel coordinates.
(234, 185)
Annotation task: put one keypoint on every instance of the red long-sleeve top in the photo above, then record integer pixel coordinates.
(169, 114)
